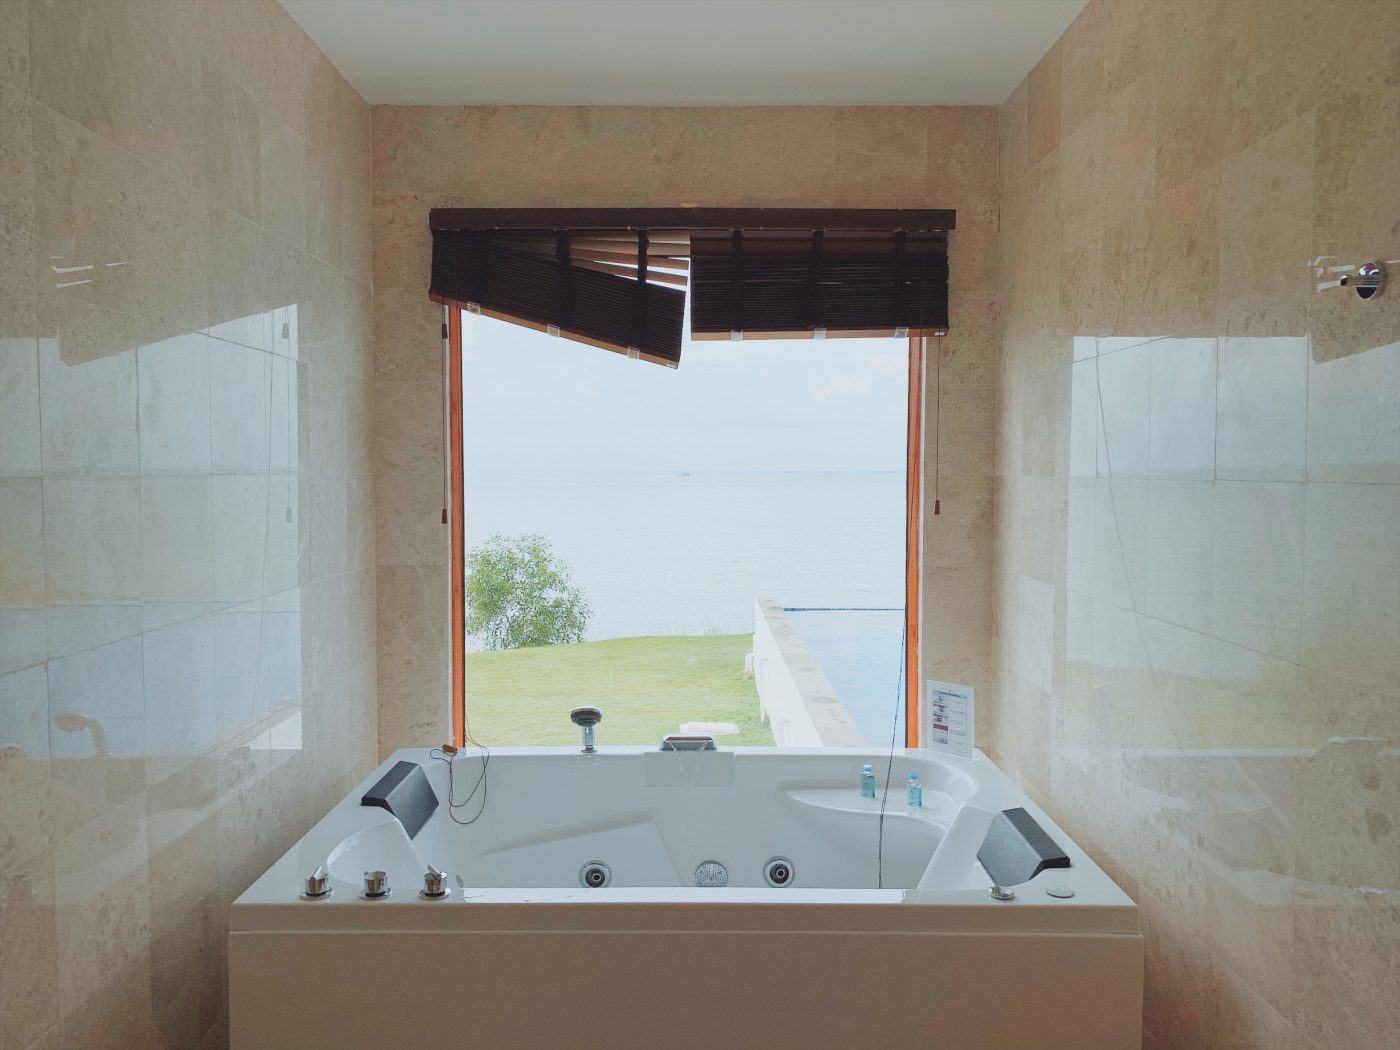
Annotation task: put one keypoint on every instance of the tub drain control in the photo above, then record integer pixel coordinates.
(434, 885)
(376, 885)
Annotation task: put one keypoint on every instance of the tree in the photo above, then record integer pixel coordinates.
(520, 594)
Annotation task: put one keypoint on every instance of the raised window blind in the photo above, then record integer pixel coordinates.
(800, 283)
(617, 278)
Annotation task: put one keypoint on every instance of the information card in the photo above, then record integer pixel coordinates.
(945, 721)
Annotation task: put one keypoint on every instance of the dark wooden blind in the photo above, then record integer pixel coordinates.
(617, 278)
(804, 282)
(614, 290)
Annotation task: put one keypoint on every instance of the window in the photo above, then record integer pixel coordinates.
(685, 548)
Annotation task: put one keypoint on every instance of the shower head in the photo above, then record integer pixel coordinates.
(74, 722)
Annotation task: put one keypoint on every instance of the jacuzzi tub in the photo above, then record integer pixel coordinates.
(866, 944)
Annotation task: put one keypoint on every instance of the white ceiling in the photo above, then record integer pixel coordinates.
(685, 52)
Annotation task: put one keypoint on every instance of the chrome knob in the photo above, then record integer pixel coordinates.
(1001, 893)
(376, 885)
(318, 885)
(434, 885)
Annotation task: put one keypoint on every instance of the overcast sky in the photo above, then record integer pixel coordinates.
(537, 403)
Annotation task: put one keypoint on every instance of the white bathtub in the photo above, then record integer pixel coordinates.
(867, 945)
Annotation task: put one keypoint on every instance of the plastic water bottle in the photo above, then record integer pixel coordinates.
(867, 781)
(915, 791)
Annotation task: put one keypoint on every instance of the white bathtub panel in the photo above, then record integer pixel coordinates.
(693, 991)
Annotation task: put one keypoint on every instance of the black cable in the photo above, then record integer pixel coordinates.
(480, 785)
(889, 766)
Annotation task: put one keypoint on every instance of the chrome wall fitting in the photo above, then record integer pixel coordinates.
(1368, 280)
(1001, 893)
(318, 886)
(434, 885)
(376, 885)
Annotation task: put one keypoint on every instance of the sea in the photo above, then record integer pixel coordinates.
(687, 553)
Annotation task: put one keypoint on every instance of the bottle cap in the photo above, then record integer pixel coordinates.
(913, 776)
(867, 768)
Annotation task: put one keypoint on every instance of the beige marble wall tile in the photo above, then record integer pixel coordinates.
(152, 190)
(84, 227)
(1231, 584)
(407, 343)
(697, 152)
(1043, 99)
(79, 61)
(324, 203)
(337, 119)
(882, 154)
(28, 1007)
(789, 153)
(1349, 940)
(412, 655)
(282, 180)
(238, 286)
(418, 149)
(24, 768)
(408, 520)
(406, 429)
(188, 923)
(102, 904)
(962, 154)
(1266, 233)
(1083, 75)
(232, 141)
(1192, 88)
(17, 281)
(161, 120)
(14, 51)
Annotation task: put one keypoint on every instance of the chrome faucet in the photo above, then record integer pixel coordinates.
(587, 718)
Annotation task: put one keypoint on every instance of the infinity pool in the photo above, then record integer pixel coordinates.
(859, 649)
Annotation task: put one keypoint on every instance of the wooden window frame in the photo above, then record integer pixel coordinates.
(913, 533)
(454, 517)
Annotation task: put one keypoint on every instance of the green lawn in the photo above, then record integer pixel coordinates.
(646, 687)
